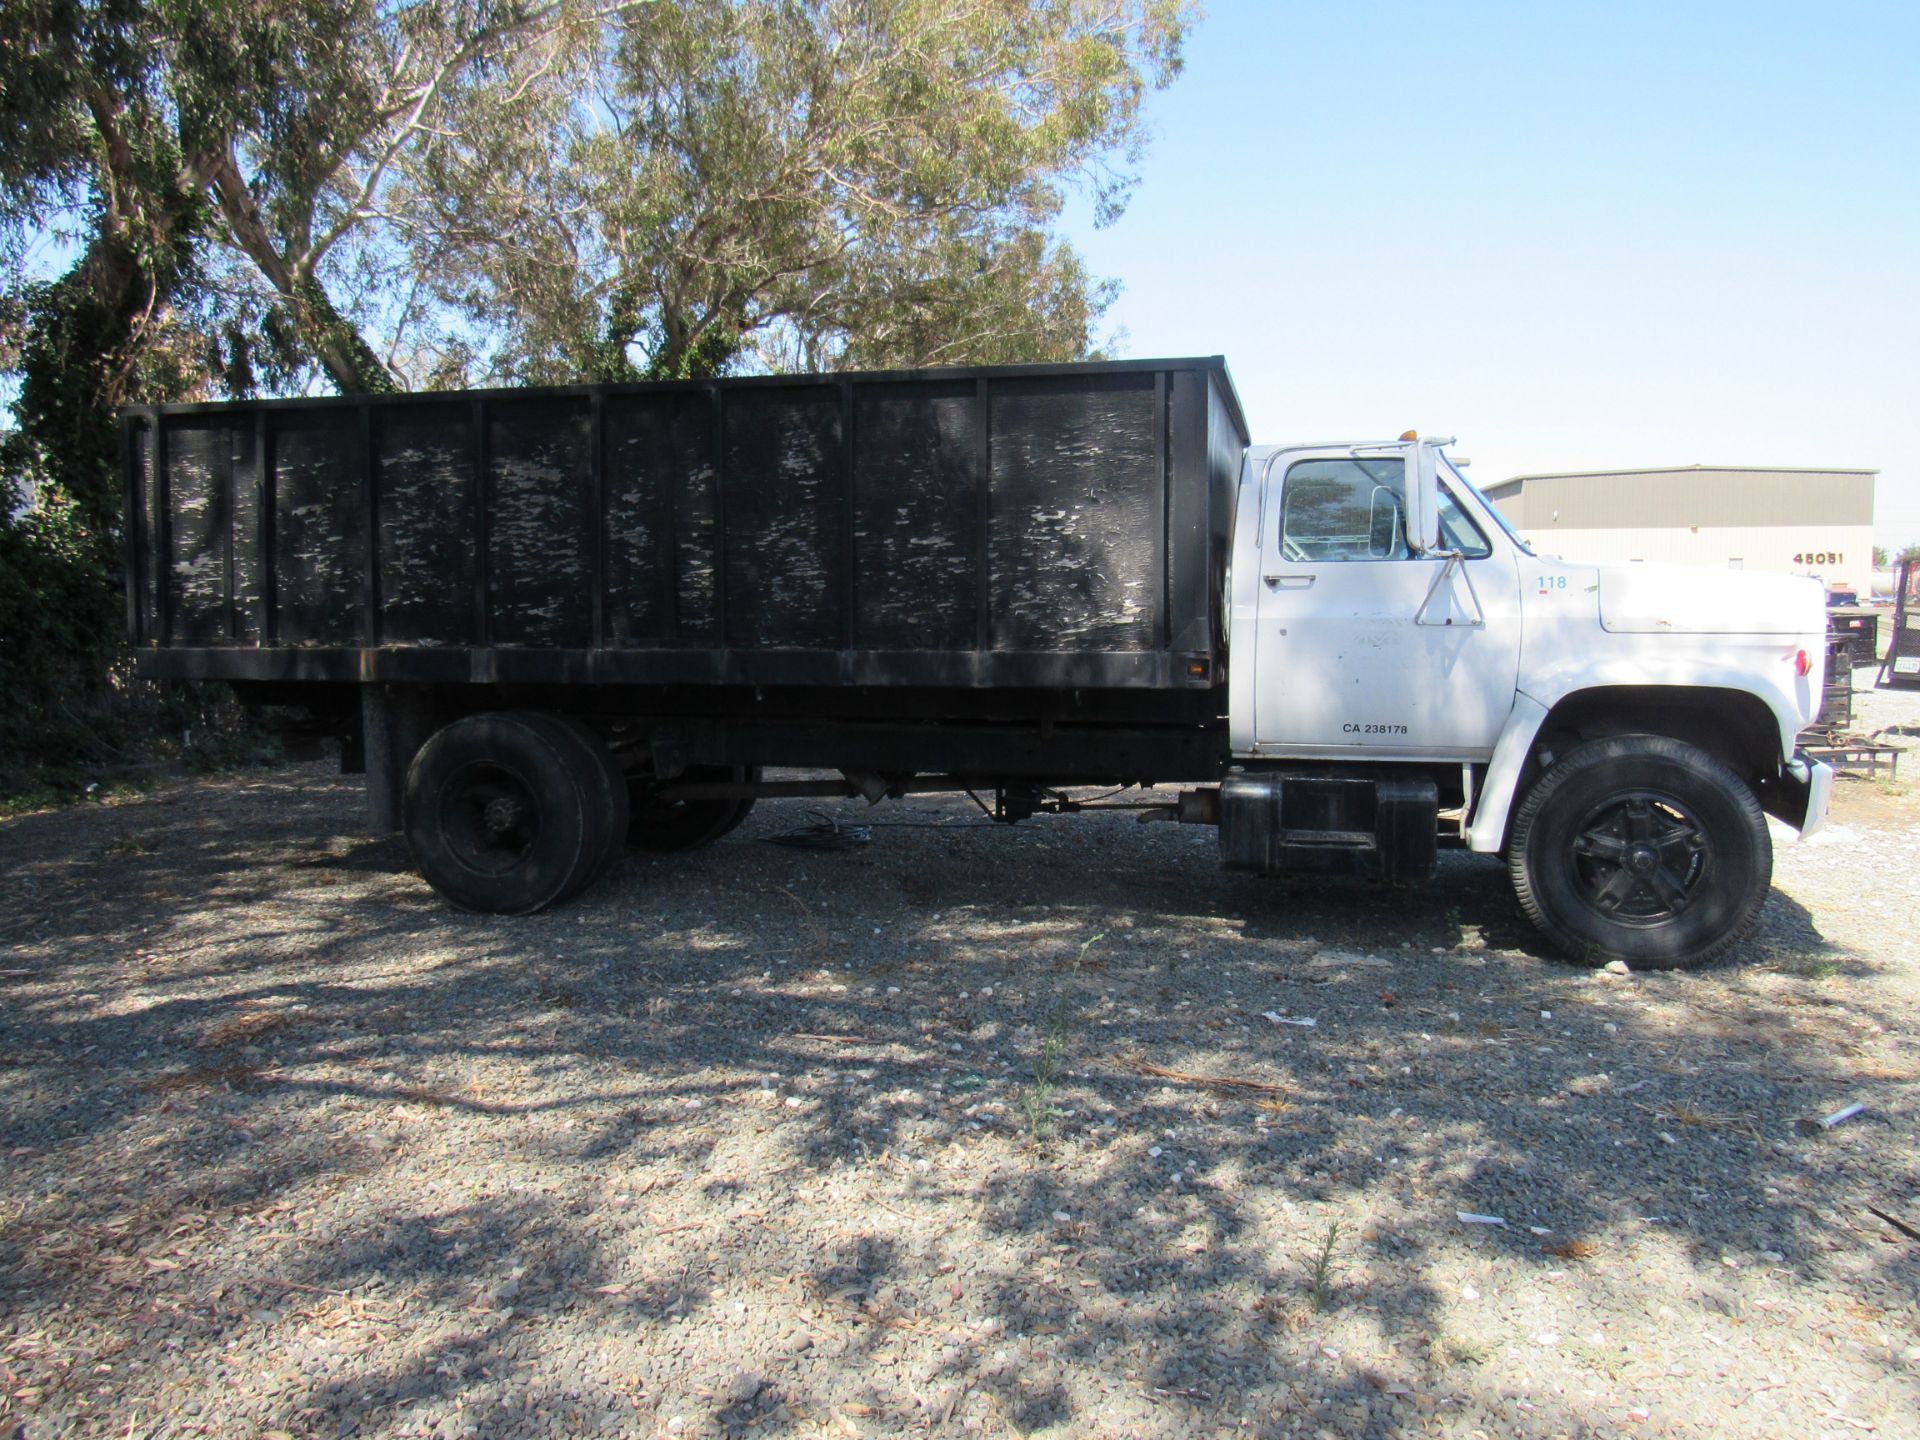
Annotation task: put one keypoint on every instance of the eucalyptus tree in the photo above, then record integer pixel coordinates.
(794, 182)
(187, 187)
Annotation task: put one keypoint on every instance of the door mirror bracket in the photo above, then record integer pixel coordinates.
(1442, 583)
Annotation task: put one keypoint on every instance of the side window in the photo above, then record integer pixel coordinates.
(1457, 530)
(1344, 510)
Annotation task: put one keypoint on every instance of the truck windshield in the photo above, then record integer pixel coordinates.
(1486, 505)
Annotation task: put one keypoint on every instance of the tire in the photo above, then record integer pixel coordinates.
(684, 824)
(606, 778)
(1641, 849)
(507, 813)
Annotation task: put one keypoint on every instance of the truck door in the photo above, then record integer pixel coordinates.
(1364, 648)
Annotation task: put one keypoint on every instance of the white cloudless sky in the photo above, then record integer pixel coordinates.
(1575, 235)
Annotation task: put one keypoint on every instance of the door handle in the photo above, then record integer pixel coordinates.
(1288, 582)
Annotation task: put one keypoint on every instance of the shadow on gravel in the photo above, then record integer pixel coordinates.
(297, 1140)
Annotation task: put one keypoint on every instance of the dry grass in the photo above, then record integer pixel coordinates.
(206, 1077)
(1686, 1114)
(244, 1029)
(1226, 1083)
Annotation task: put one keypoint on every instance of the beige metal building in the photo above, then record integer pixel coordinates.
(1802, 522)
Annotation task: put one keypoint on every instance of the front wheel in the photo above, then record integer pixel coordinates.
(1641, 849)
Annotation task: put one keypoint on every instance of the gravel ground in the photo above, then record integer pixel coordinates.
(920, 1139)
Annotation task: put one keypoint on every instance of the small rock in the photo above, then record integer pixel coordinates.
(1616, 967)
(741, 1388)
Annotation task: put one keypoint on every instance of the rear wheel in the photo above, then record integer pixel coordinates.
(604, 775)
(1642, 849)
(509, 812)
(666, 825)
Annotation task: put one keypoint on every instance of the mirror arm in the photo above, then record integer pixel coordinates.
(1455, 560)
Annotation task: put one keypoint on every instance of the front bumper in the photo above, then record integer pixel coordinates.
(1800, 794)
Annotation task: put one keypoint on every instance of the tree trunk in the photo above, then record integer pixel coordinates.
(333, 340)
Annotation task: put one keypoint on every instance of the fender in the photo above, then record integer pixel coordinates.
(1510, 752)
(1793, 700)
(1488, 828)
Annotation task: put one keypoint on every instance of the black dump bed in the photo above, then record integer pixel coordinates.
(1028, 526)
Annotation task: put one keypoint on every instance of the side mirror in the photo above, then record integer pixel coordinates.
(1423, 498)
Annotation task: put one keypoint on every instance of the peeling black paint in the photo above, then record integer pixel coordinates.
(1092, 557)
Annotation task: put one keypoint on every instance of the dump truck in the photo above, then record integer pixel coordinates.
(553, 623)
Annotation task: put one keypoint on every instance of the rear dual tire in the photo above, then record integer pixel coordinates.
(668, 825)
(509, 812)
(1643, 849)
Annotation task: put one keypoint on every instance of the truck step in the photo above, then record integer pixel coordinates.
(1329, 823)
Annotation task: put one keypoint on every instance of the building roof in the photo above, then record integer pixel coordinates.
(1691, 469)
(1687, 496)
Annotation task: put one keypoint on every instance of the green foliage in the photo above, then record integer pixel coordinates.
(796, 186)
(56, 602)
(265, 195)
(71, 715)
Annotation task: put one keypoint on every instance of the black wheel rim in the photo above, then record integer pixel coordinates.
(1641, 859)
(490, 819)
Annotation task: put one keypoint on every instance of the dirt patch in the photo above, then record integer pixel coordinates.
(1052, 1130)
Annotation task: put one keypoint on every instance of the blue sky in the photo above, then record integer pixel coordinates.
(1575, 235)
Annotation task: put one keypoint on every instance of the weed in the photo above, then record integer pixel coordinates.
(1320, 1281)
(1282, 1312)
(32, 797)
(1036, 1101)
(1451, 1349)
(1805, 967)
(1080, 959)
(1607, 1360)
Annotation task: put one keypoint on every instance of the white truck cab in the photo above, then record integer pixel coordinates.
(1618, 732)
